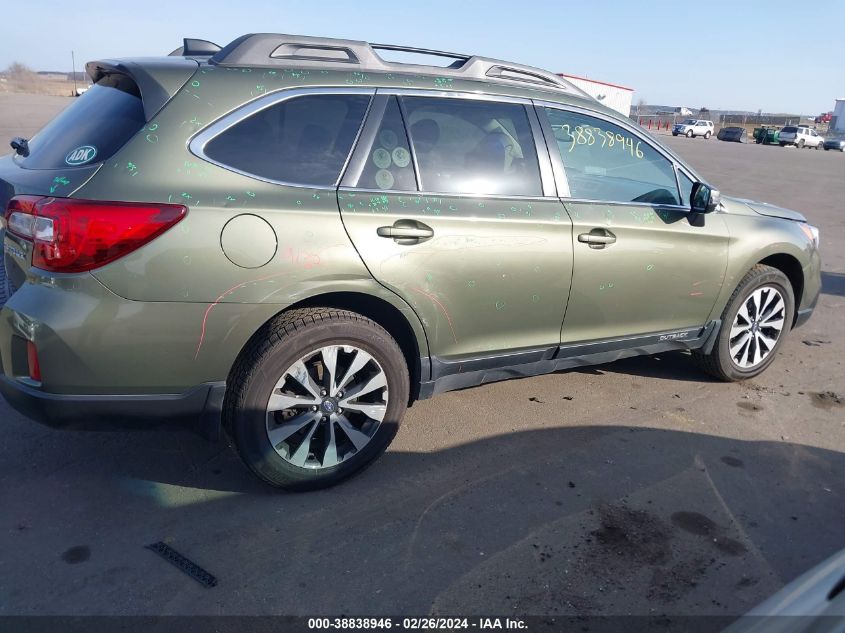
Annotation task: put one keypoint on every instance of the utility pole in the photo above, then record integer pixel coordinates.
(73, 74)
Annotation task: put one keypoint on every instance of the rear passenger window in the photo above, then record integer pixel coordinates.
(91, 129)
(466, 146)
(303, 140)
(604, 161)
(389, 164)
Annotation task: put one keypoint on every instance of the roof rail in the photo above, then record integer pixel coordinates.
(269, 50)
(192, 47)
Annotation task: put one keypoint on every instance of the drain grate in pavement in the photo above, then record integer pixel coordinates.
(188, 566)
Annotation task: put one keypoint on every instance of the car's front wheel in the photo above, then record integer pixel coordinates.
(754, 324)
(689, 134)
(316, 396)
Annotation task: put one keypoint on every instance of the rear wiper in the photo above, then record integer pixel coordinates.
(20, 145)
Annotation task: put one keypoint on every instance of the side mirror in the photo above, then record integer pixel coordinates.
(703, 199)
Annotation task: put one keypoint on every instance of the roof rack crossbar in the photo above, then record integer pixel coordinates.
(273, 49)
(419, 51)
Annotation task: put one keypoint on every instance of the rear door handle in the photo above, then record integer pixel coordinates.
(597, 238)
(406, 231)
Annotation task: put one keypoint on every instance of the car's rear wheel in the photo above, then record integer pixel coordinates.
(316, 396)
(783, 144)
(801, 144)
(754, 323)
(706, 135)
(689, 134)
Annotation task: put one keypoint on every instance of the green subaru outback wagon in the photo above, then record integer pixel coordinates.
(294, 238)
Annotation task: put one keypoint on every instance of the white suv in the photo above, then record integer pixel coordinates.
(693, 127)
(800, 136)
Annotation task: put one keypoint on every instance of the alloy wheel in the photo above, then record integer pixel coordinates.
(327, 406)
(757, 327)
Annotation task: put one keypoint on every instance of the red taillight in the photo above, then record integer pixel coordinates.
(71, 236)
(32, 361)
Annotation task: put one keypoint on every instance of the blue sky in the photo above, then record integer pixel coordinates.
(711, 54)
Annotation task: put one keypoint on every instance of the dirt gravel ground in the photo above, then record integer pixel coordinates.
(638, 487)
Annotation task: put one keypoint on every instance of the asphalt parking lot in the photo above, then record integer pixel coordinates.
(639, 487)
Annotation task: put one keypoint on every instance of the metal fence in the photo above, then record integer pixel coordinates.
(759, 119)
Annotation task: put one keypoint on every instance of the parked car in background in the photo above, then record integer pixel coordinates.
(800, 136)
(835, 143)
(693, 127)
(734, 134)
(766, 135)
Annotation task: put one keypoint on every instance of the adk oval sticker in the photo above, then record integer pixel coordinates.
(81, 155)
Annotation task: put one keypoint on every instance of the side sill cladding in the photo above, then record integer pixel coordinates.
(450, 375)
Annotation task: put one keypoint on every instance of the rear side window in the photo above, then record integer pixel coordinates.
(91, 129)
(303, 140)
(466, 146)
(389, 164)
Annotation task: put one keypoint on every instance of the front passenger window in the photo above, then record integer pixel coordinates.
(604, 161)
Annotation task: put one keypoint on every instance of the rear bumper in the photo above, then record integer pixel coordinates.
(198, 409)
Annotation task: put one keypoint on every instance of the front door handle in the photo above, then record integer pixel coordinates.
(406, 231)
(597, 238)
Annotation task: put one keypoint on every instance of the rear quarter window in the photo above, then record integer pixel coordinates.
(303, 140)
(91, 129)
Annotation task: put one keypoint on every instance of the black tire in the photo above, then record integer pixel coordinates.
(783, 144)
(800, 144)
(826, 148)
(689, 134)
(277, 346)
(718, 362)
(674, 134)
(819, 146)
(706, 135)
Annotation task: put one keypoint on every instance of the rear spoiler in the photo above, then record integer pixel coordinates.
(158, 78)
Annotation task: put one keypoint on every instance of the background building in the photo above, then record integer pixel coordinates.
(837, 123)
(613, 96)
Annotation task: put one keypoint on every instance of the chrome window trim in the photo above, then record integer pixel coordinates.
(198, 142)
(452, 94)
(434, 194)
(650, 205)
